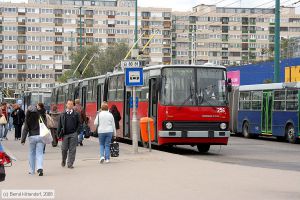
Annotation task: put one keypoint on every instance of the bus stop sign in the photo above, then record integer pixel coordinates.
(134, 77)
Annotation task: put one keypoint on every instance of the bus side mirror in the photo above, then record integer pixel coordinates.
(229, 85)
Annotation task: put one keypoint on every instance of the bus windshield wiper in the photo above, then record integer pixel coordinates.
(191, 96)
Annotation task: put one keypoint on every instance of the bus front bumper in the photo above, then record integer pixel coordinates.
(194, 134)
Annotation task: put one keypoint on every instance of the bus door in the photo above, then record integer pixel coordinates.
(76, 93)
(266, 115)
(126, 114)
(153, 100)
(83, 96)
(99, 96)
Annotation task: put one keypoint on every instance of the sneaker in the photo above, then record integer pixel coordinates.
(40, 172)
(106, 161)
(80, 143)
(63, 163)
(101, 160)
(70, 167)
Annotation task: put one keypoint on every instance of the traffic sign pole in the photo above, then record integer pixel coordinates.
(134, 122)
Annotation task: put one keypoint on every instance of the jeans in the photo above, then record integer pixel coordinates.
(80, 136)
(104, 140)
(3, 130)
(36, 155)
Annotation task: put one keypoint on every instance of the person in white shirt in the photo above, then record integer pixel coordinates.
(106, 128)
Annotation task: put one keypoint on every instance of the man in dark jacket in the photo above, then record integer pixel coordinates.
(68, 127)
(18, 116)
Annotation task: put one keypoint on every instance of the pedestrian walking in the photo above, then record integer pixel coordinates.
(106, 128)
(52, 123)
(117, 117)
(10, 119)
(18, 116)
(42, 112)
(83, 120)
(3, 121)
(36, 145)
(68, 127)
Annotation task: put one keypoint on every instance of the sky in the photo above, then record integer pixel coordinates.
(186, 5)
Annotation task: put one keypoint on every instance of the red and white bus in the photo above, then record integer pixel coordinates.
(189, 103)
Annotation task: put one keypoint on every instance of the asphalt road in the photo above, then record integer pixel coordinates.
(262, 152)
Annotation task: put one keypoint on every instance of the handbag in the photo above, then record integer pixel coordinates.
(86, 131)
(45, 133)
(114, 149)
(3, 120)
(50, 121)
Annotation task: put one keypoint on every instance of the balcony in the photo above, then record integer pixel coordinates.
(89, 34)
(58, 15)
(21, 51)
(58, 33)
(21, 32)
(58, 24)
(58, 42)
(111, 16)
(91, 16)
(21, 23)
(22, 60)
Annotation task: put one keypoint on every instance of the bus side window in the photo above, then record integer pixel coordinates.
(112, 88)
(120, 88)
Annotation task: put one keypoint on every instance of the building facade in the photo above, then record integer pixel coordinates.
(228, 36)
(37, 38)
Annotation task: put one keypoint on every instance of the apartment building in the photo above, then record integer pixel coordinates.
(37, 38)
(228, 36)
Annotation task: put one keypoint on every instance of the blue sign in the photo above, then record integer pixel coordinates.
(134, 76)
(131, 102)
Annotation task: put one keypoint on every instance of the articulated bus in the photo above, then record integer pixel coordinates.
(266, 109)
(189, 104)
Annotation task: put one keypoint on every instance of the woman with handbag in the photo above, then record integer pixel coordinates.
(3, 121)
(106, 128)
(18, 116)
(52, 123)
(36, 145)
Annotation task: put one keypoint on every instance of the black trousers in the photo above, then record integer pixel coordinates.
(18, 129)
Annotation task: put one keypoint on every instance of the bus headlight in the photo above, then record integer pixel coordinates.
(169, 125)
(223, 126)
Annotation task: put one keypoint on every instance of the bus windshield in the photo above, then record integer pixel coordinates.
(193, 87)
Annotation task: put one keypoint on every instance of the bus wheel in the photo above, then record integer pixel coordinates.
(290, 134)
(203, 148)
(246, 133)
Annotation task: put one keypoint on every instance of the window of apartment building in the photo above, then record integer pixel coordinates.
(46, 48)
(10, 47)
(46, 11)
(98, 40)
(10, 56)
(33, 38)
(122, 22)
(10, 28)
(33, 29)
(33, 20)
(32, 10)
(46, 57)
(47, 29)
(47, 66)
(10, 66)
(58, 58)
(10, 19)
(33, 48)
(294, 29)
(33, 66)
(12, 76)
(47, 20)
(10, 10)
(181, 53)
(33, 57)
(156, 50)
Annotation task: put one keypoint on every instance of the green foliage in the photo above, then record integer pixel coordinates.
(105, 59)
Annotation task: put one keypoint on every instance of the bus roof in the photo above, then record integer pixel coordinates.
(206, 65)
(269, 86)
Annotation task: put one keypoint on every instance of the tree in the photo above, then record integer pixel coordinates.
(105, 59)
(109, 58)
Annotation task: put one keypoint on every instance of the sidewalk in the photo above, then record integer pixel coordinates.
(147, 175)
